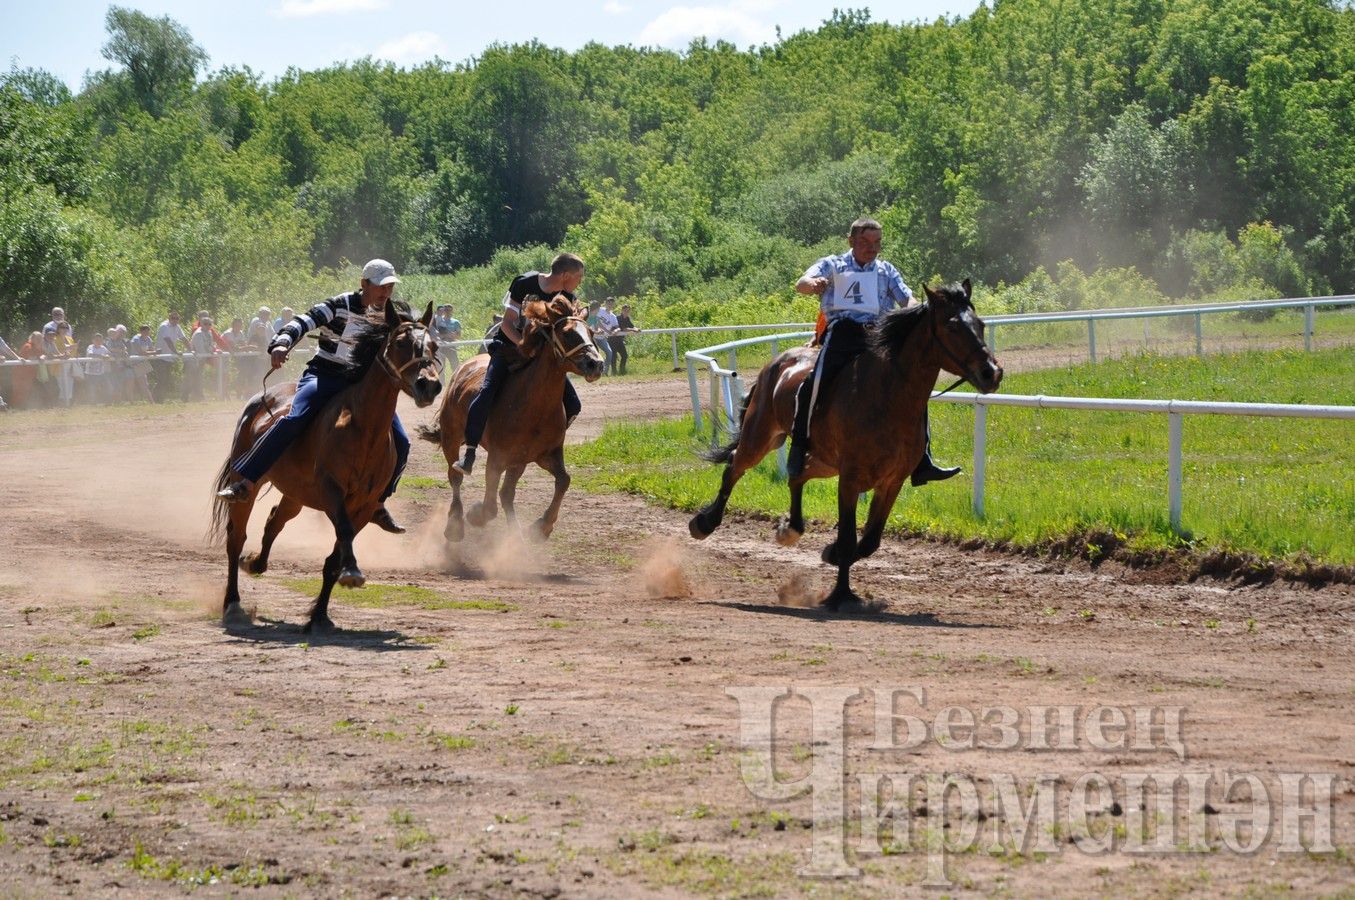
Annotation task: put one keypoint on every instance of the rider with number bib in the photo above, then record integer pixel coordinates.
(505, 349)
(856, 289)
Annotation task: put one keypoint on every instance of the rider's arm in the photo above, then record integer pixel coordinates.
(509, 326)
(814, 281)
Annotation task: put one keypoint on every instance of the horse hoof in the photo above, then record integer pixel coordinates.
(540, 531)
(840, 598)
(477, 517)
(256, 565)
(786, 535)
(234, 616)
(323, 625)
(352, 578)
(455, 531)
(829, 554)
(697, 528)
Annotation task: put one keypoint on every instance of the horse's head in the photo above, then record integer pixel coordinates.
(958, 331)
(410, 355)
(560, 325)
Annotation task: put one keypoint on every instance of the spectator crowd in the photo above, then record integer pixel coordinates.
(65, 365)
(62, 365)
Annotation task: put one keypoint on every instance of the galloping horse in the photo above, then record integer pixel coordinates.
(868, 427)
(339, 465)
(527, 423)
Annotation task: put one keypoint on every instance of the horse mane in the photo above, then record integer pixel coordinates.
(895, 327)
(540, 315)
(368, 338)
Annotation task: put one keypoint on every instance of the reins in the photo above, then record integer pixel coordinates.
(936, 336)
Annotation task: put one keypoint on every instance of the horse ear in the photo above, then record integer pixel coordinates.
(931, 294)
(427, 315)
(534, 309)
(392, 316)
(968, 290)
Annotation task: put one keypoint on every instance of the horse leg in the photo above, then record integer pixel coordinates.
(319, 622)
(350, 576)
(481, 513)
(283, 513)
(233, 615)
(554, 463)
(455, 529)
(880, 505)
(845, 545)
(791, 527)
(509, 491)
(709, 517)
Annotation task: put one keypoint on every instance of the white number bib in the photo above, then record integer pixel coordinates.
(856, 291)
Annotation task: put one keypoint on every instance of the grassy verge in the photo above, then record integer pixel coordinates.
(1278, 489)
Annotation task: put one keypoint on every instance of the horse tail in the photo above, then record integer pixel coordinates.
(221, 507)
(726, 453)
(431, 433)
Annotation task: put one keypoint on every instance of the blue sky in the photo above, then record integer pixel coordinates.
(269, 36)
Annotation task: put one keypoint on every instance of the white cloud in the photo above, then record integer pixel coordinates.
(615, 8)
(736, 23)
(300, 9)
(415, 47)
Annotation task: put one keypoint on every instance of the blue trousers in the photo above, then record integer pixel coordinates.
(500, 358)
(312, 393)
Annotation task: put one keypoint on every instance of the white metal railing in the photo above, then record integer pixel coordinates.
(1176, 410)
(1308, 304)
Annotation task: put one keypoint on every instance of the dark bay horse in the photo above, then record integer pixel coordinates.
(868, 426)
(340, 464)
(527, 423)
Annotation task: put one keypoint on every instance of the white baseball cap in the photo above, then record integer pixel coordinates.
(379, 272)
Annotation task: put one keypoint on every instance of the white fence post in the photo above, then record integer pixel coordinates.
(676, 363)
(1199, 334)
(1308, 327)
(715, 405)
(980, 453)
(1174, 470)
(696, 397)
(1091, 338)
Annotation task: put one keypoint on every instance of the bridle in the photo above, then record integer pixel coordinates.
(423, 359)
(967, 376)
(558, 346)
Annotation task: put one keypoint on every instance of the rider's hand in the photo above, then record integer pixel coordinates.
(278, 356)
(820, 285)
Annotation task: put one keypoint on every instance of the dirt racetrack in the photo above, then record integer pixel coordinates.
(554, 720)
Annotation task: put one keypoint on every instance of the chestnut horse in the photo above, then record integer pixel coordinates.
(527, 423)
(868, 425)
(341, 463)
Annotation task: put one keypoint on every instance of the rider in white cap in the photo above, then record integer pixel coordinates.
(322, 380)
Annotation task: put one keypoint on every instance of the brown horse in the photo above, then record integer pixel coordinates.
(339, 465)
(527, 423)
(868, 426)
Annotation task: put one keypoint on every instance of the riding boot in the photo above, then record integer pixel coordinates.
(466, 462)
(382, 519)
(926, 469)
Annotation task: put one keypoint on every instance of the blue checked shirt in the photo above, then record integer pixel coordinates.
(850, 297)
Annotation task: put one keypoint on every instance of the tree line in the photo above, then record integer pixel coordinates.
(1056, 152)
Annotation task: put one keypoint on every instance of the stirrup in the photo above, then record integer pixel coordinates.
(235, 492)
(466, 462)
(382, 519)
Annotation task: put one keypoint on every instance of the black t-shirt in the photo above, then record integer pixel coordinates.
(524, 289)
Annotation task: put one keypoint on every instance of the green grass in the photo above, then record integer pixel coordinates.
(1279, 488)
(382, 595)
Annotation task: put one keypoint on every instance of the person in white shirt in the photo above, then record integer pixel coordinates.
(606, 328)
(142, 345)
(98, 369)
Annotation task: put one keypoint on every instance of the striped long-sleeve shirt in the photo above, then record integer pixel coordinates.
(332, 319)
